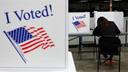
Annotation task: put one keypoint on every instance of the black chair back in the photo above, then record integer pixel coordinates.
(109, 45)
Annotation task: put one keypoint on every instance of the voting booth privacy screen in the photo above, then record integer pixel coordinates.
(116, 17)
(33, 34)
(79, 23)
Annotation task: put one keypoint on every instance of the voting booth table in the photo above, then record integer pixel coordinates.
(33, 36)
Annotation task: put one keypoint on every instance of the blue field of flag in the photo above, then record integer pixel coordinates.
(20, 35)
(76, 23)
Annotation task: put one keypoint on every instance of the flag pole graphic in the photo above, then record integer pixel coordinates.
(75, 27)
(20, 54)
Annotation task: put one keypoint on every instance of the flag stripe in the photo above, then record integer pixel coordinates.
(19, 36)
(25, 36)
(33, 48)
(39, 33)
(22, 35)
(32, 45)
(46, 46)
(44, 34)
(52, 45)
(15, 35)
(30, 28)
(50, 42)
(38, 30)
(30, 41)
(48, 39)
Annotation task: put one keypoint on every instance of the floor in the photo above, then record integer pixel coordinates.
(88, 61)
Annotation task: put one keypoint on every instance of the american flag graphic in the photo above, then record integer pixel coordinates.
(30, 38)
(79, 24)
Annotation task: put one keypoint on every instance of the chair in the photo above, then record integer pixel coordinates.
(109, 45)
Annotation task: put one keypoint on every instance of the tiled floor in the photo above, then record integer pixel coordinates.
(88, 63)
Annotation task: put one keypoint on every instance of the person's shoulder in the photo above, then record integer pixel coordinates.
(111, 22)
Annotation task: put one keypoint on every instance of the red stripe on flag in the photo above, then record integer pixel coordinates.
(48, 39)
(33, 48)
(37, 31)
(30, 41)
(30, 28)
(46, 47)
(52, 45)
(32, 45)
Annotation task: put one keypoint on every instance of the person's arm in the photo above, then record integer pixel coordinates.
(97, 31)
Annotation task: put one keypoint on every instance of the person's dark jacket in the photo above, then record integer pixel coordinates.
(108, 42)
(112, 30)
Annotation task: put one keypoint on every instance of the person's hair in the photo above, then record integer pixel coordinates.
(103, 22)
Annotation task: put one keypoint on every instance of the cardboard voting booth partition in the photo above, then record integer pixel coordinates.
(116, 17)
(33, 34)
(79, 22)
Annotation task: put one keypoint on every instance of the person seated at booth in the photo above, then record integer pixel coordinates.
(107, 31)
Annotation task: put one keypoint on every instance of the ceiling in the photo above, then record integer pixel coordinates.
(98, 5)
(96, 0)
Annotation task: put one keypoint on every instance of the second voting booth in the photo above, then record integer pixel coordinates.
(85, 35)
